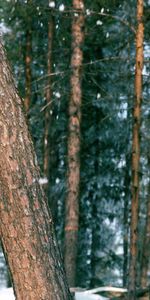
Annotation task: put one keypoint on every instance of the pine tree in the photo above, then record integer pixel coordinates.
(48, 108)
(136, 151)
(73, 172)
(146, 245)
(26, 227)
(28, 59)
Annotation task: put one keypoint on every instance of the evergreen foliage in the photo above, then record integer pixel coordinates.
(108, 94)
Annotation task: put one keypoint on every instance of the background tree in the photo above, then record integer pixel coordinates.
(74, 136)
(48, 109)
(108, 71)
(136, 150)
(146, 244)
(28, 58)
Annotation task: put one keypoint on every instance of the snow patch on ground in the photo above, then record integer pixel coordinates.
(84, 296)
(7, 294)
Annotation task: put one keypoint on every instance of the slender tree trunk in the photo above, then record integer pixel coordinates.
(48, 99)
(73, 176)
(96, 116)
(136, 150)
(26, 227)
(146, 246)
(127, 199)
(95, 238)
(28, 60)
(127, 193)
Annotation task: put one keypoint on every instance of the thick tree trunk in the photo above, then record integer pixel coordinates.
(136, 150)
(73, 176)
(26, 227)
(28, 60)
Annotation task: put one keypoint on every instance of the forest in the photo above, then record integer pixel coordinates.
(80, 85)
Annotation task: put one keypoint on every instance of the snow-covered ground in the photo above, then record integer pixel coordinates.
(7, 294)
(84, 296)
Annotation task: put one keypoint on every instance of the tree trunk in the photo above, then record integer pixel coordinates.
(136, 150)
(28, 59)
(96, 117)
(26, 227)
(48, 100)
(127, 199)
(73, 176)
(127, 181)
(146, 246)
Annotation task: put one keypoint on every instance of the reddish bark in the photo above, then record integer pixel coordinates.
(48, 99)
(26, 227)
(28, 60)
(136, 149)
(73, 176)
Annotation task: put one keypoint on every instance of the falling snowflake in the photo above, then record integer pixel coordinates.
(61, 7)
(99, 22)
(52, 4)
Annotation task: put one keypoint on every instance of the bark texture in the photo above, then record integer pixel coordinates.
(73, 176)
(26, 227)
(136, 149)
(28, 60)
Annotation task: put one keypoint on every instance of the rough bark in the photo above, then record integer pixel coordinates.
(26, 227)
(73, 176)
(28, 60)
(136, 149)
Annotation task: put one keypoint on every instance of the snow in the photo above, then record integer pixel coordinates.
(52, 4)
(145, 71)
(99, 22)
(7, 294)
(84, 296)
(57, 94)
(4, 29)
(61, 7)
(57, 180)
(98, 95)
(42, 181)
(88, 12)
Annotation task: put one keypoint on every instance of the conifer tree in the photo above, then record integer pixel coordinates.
(48, 108)
(74, 136)
(28, 58)
(26, 226)
(136, 151)
(146, 244)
